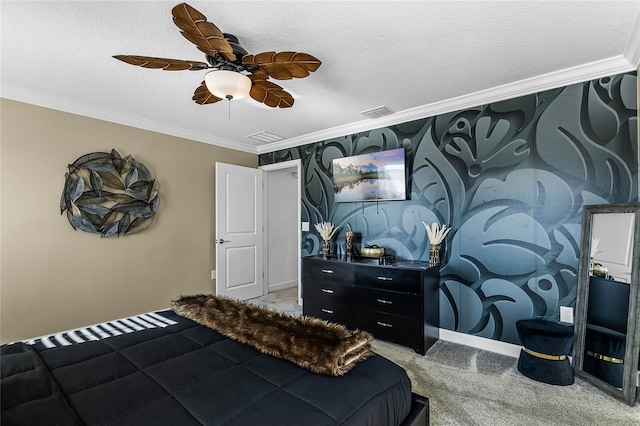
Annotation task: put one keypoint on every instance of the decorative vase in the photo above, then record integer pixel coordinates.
(326, 249)
(434, 255)
(349, 237)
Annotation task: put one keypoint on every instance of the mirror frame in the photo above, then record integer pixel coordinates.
(627, 393)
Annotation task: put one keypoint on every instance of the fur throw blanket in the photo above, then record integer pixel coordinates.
(311, 343)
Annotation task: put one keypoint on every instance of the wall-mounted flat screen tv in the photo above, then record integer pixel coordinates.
(370, 177)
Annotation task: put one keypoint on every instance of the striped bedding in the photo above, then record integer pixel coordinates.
(103, 331)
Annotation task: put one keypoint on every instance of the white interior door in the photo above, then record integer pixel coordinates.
(238, 231)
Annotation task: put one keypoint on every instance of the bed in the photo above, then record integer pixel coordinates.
(163, 369)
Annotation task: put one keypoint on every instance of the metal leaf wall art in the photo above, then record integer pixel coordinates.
(109, 195)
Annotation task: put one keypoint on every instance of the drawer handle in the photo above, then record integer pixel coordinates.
(385, 278)
(327, 311)
(327, 290)
(384, 302)
(384, 324)
(327, 271)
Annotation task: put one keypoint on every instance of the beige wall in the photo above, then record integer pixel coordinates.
(53, 278)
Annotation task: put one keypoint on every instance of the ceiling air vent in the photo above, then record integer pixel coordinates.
(377, 112)
(265, 137)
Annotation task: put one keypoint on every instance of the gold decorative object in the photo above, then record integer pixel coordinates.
(599, 270)
(326, 231)
(326, 248)
(436, 236)
(372, 251)
(434, 255)
(349, 236)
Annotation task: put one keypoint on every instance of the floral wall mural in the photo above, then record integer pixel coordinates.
(510, 178)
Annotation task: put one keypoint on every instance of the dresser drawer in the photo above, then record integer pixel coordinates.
(328, 290)
(394, 279)
(330, 311)
(394, 328)
(391, 302)
(324, 270)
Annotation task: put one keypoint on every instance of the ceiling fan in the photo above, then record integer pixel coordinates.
(235, 73)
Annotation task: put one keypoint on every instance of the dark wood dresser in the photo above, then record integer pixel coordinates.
(397, 302)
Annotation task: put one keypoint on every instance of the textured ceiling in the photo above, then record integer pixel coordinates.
(417, 58)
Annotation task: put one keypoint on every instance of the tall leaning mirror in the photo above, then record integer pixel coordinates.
(606, 348)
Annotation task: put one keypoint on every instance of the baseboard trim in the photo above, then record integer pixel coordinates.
(497, 346)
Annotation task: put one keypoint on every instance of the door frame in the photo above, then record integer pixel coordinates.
(297, 165)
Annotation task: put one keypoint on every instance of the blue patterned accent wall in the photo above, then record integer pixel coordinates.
(510, 178)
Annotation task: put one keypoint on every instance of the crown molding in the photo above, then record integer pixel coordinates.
(629, 61)
(565, 77)
(21, 94)
(632, 50)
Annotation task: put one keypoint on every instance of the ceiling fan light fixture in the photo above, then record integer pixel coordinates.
(227, 84)
(233, 71)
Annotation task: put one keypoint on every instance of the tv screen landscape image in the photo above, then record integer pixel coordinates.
(370, 177)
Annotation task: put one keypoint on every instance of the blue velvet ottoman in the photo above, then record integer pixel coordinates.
(605, 350)
(545, 346)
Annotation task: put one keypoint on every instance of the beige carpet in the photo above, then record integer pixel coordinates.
(283, 300)
(468, 386)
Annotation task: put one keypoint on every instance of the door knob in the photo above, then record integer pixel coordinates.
(221, 241)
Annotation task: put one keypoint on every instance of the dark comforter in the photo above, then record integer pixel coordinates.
(187, 374)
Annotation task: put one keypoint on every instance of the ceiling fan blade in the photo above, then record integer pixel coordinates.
(162, 63)
(259, 74)
(284, 65)
(203, 96)
(202, 33)
(270, 94)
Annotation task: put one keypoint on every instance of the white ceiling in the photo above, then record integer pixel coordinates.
(419, 58)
